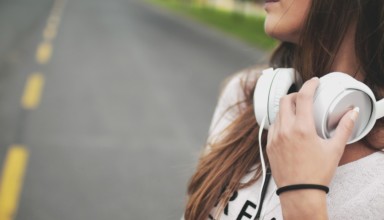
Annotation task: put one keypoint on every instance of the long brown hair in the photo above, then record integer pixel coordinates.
(220, 170)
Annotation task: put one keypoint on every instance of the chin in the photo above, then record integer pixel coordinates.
(282, 35)
(282, 31)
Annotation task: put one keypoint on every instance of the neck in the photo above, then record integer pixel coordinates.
(355, 152)
(346, 60)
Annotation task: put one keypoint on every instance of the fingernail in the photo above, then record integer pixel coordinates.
(315, 78)
(355, 113)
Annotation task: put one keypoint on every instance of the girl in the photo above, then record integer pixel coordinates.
(317, 37)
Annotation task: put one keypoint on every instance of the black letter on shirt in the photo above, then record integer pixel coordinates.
(243, 211)
(233, 197)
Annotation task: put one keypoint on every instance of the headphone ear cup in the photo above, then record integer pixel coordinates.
(337, 94)
(271, 86)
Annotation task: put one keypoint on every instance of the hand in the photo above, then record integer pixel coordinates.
(296, 153)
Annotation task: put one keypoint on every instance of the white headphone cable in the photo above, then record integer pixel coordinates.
(265, 178)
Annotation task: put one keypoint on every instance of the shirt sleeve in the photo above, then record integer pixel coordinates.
(230, 95)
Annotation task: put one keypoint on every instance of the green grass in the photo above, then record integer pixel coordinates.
(247, 28)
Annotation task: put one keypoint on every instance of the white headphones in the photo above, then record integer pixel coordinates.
(337, 93)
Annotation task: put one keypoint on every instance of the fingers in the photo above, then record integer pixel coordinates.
(304, 101)
(345, 127)
(296, 108)
(287, 109)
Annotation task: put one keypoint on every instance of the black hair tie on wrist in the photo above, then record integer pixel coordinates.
(302, 186)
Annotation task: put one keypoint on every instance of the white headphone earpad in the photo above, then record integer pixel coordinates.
(282, 82)
(261, 96)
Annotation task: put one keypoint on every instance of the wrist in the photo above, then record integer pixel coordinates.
(304, 204)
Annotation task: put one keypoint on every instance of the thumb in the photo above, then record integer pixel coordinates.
(345, 127)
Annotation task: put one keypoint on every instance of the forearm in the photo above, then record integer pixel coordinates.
(304, 204)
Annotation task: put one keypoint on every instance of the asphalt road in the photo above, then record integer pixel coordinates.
(128, 97)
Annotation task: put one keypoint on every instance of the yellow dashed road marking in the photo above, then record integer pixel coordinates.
(44, 52)
(15, 164)
(33, 90)
(12, 181)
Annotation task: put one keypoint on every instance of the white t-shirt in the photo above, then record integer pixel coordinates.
(356, 191)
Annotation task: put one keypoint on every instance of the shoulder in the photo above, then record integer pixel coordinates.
(356, 185)
(245, 78)
(233, 93)
(234, 88)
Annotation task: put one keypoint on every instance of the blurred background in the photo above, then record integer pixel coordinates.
(105, 105)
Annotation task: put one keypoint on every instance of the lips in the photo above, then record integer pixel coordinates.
(270, 1)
